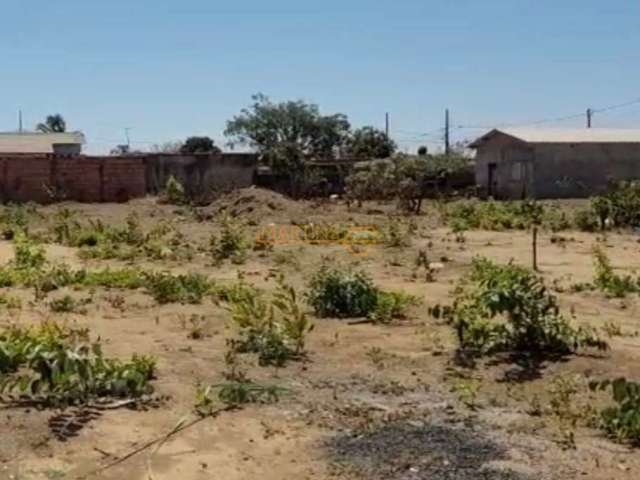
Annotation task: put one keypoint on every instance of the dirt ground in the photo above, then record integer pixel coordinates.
(371, 401)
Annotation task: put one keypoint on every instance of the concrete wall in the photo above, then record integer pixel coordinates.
(555, 170)
(201, 174)
(47, 178)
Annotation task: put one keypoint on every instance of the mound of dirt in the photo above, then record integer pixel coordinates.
(255, 204)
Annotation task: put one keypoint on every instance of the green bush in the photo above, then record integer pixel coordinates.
(335, 292)
(347, 293)
(507, 308)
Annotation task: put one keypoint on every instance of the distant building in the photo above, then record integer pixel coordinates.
(561, 163)
(68, 143)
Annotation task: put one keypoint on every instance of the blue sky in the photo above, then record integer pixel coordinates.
(169, 69)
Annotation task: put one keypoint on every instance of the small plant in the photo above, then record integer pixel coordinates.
(422, 264)
(391, 305)
(28, 255)
(174, 192)
(398, 235)
(196, 326)
(230, 244)
(276, 330)
(533, 322)
(68, 304)
(236, 391)
(167, 288)
(342, 293)
(607, 281)
(54, 365)
(622, 421)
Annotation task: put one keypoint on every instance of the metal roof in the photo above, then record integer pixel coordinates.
(562, 135)
(34, 142)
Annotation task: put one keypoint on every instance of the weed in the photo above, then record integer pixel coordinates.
(397, 235)
(196, 326)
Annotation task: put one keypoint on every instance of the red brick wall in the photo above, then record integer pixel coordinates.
(46, 178)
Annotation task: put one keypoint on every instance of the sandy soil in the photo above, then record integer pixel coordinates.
(372, 401)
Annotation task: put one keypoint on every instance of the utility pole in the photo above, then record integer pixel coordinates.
(386, 124)
(589, 115)
(20, 121)
(447, 147)
(126, 134)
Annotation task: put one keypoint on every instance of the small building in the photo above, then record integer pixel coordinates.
(559, 163)
(67, 143)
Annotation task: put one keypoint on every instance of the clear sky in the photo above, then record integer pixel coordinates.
(172, 68)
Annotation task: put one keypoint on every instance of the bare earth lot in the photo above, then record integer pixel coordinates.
(372, 401)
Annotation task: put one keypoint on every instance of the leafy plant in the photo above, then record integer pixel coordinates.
(621, 421)
(346, 293)
(275, 329)
(174, 192)
(54, 365)
(531, 319)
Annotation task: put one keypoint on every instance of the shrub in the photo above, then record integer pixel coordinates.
(622, 421)
(532, 320)
(167, 288)
(390, 305)
(28, 255)
(345, 293)
(342, 293)
(53, 365)
(174, 192)
(585, 220)
(230, 244)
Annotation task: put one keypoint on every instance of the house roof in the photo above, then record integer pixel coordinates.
(563, 135)
(34, 142)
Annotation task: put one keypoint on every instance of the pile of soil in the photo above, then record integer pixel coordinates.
(254, 204)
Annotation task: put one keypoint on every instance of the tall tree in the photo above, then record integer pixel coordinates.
(53, 124)
(199, 145)
(288, 134)
(369, 142)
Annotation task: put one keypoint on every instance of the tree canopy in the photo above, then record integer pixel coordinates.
(288, 133)
(199, 145)
(369, 142)
(53, 124)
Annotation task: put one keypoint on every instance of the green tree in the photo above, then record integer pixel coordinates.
(288, 134)
(198, 145)
(369, 142)
(53, 124)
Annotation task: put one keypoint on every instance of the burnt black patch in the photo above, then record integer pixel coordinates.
(404, 451)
